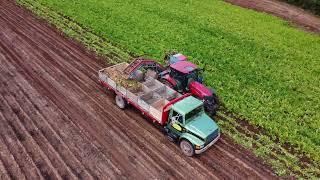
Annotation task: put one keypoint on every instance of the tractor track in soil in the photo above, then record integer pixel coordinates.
(57, 122)
(295, 15)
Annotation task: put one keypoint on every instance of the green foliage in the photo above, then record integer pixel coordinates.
(263, 69)
(283, 162)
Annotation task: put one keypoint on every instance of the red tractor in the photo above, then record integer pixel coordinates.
(181, 75)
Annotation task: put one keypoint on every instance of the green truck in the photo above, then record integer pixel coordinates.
(182, 116)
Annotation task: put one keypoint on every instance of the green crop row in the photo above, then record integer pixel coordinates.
(263, 69)
(283, 162)
(70, 28)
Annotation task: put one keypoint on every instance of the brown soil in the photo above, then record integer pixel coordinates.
(297, 16)
(57, 122)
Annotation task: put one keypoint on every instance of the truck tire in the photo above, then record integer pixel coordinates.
(121, 102)
(187, 148)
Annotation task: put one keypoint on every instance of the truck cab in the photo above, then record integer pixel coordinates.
(191, 127)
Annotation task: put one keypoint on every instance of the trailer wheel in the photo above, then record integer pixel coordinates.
(121, 103)
(187, 148)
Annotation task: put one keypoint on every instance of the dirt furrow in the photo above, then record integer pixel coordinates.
(17, 11)
(99, 171)
(53, 137)
(233, 162)
(36, 132)
(8, 160)
(47, 34)
(229, 160)
(3, 173)
(12, 141)
(39, 68)
(3, 169)
(92, 115)
(295, 15)
(89, 67)
(17, 120)
(246, 156)
(38, 157)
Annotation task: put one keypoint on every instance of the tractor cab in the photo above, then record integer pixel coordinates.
(184, 76)
(185, 72)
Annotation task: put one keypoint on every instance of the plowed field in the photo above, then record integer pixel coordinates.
(295, 15)
(57, 122)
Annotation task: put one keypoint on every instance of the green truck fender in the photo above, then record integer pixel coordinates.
(192, 139)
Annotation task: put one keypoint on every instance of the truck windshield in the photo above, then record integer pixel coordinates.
(194, 113)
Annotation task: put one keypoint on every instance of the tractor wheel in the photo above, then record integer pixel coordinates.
(213, 106)
(121, 102)
(216, 103)
(187, 148)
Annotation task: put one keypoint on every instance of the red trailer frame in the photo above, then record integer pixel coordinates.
(165, 111)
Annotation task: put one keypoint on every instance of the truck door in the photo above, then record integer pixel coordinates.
(176, 123)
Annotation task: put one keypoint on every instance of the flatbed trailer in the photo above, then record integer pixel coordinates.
(165, 106)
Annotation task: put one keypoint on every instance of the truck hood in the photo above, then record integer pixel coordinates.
(202, 126)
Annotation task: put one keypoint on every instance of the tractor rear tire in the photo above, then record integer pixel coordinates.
(216, 105)
(212, 109)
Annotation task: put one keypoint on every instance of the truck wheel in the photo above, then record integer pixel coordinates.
(187, 148)
(170, 138)
(121, 103)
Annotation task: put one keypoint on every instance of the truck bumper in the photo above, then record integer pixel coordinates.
(199, 151)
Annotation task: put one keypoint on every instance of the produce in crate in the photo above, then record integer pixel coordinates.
(181, 75)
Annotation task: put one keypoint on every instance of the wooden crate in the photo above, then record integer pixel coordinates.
(131, 96)
(143, 104)
(112, 83)
(122, 90)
